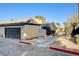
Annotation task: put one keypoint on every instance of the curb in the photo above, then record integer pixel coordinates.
(25, 42)
(64, 50)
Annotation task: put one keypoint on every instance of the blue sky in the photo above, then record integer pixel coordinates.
(54, 12)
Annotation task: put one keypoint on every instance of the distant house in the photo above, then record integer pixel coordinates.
(50, 28)
(20, 29)
(53, 28)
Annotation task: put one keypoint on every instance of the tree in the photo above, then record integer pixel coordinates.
(71, 23)
(39, 19)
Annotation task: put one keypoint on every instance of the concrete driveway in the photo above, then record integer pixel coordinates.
(12, 47)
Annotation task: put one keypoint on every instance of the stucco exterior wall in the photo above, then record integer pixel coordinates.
(2, 32)
(30, 31)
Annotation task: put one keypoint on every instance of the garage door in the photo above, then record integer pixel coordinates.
(12, 33)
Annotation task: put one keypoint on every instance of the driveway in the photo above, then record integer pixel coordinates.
(12, 47)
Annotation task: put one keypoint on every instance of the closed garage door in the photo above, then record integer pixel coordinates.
(12, 33)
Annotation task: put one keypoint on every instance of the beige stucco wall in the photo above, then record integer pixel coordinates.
(30, 31)
(2, 32)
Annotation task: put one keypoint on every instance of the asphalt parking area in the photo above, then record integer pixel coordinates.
(12, 47)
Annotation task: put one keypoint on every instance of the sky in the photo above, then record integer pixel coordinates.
(53, 12)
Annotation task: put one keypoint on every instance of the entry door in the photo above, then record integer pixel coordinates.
(12, 33)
